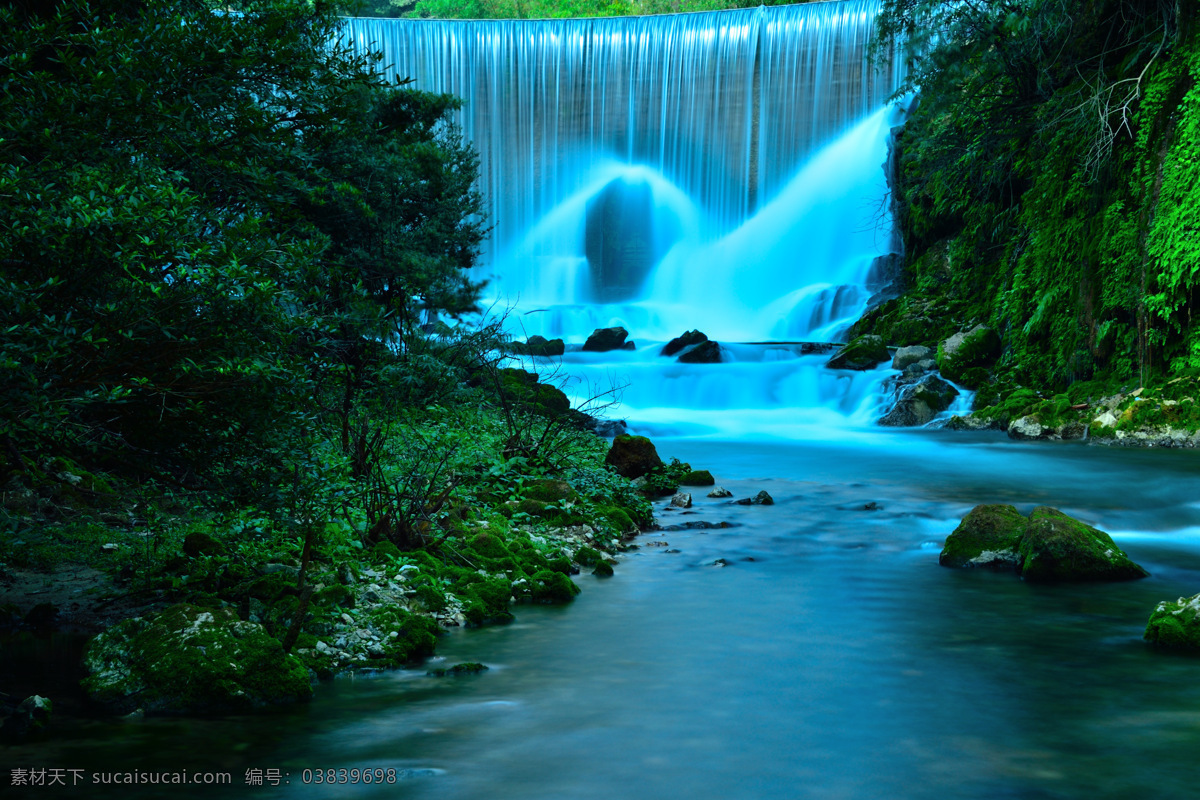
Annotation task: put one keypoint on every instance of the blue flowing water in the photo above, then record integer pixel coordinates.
(831, 658)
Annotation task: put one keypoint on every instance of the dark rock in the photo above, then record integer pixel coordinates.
(1175, 625)
(760, 499)
(465, 668)
(960, 356)
(697, 477)
(603, 570)
(705, 353)
(918, 403)
(720, 491)
(198, 543)
(871, 506)
(549, 490)
(865, 352)
(603, 340)
(43, 616)
(1059, 548)
(523, 387)
(633, 456)
(191, 660)
(720, 562)
(539, 346)
(697, 525)
(913, 354)
(32, 717)
(817, 348)
(680, 342)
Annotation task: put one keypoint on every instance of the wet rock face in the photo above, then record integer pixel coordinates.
(863, 353)
(191, 660)
(704, 353)
(633, 456)
(913, 354)
(688, 339)
(1048, 546)
(918, 403)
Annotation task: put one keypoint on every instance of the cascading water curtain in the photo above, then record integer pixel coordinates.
(605, 142)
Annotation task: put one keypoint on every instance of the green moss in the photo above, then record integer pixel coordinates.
(335, 596)
(550, 491)
(698, 477)
(552, 587)
(1176, 625)
(1057, 547)
(603, 570)
(987, 537)
(191, 660)
(489, 545)
(588, 556)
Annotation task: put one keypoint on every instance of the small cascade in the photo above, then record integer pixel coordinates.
(720, 171)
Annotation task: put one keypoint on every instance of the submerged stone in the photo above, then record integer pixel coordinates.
(719, 492)
(1175, 625)
(705, 353)
(698, 477)
(918, 403)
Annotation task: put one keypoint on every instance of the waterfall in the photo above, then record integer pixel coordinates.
(716, 170)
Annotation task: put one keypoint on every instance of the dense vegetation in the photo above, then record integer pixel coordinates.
(1049, 187)
(224, 243)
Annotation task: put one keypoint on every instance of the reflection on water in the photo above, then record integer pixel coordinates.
(832, 658)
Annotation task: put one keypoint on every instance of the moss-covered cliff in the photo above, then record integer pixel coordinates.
(1050, 188)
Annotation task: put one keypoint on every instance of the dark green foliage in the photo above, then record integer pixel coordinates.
(1047, 179)
(200, 215)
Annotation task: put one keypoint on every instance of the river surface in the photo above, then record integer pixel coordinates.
(831, 658)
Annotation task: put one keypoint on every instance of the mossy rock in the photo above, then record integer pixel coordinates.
(199, 543)
(191, 660)
(539, 346)
(962, 355)
(1058, 548)
(988, 536)
(633, 456)
(863, 353)
(603, 570)
(588, 556)
(489, 545)
(385, 551)
(698, 477)
(550, 490)
(523, 387)
(1176, 625)
(552, 587)
(618, 518)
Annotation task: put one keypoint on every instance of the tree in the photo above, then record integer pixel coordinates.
(193, 206)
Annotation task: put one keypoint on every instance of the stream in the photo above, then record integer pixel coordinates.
(831, 658)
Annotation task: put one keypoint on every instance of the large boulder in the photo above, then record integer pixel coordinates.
(603, 340)
(633, 456)
(918, 403)
(191, 660)
(688, 339)
(988, 536)
(1048, 546)
(1176, 625)
(913, 354)
(865, 352)
(1059, 548)
(967, 351)
(32, 717)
